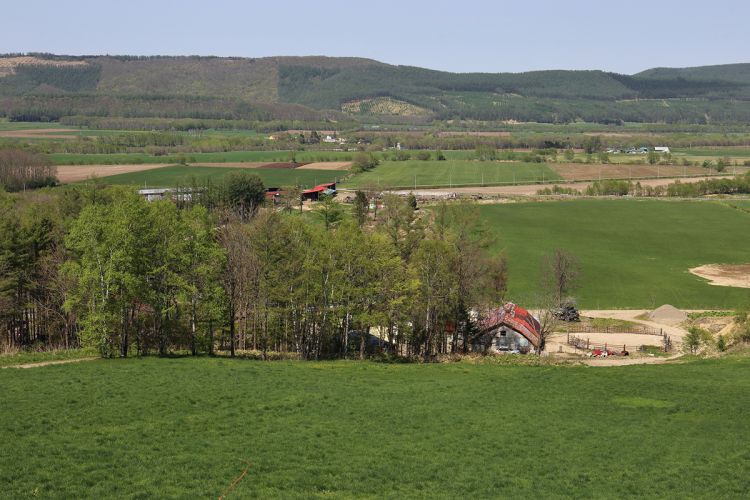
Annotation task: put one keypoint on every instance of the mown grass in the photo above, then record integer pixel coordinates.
(183, 175)
(185, 427)
(407, 174)
(633, 253)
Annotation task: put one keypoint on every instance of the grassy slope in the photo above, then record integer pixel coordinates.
(633, 253)
(455, 172)
(182, 428)
(174, 175)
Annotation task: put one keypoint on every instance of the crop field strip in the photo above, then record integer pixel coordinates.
(416, 174)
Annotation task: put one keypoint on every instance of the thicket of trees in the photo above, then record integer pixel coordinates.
(24, 170)
(102, 267)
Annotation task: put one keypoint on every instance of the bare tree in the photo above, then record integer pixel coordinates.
(546, 314)
(560, 273)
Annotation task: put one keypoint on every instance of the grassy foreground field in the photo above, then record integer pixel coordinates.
(184, 427)
(182, 175)
(405, 174)
(633, 254)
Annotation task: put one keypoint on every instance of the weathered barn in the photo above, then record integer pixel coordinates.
(508, 329)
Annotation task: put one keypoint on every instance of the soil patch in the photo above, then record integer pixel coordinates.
(39, 133)
(734, 275)
(327, 165)
(75, 173)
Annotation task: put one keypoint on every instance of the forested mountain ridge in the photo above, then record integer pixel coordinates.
(49, 87)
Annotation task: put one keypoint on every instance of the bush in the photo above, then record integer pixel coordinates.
(363, 162)
(424, 155)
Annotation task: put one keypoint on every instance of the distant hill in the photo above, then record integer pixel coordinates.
(49, 87)
(738, 73)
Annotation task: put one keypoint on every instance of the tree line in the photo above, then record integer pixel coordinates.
(102, 267)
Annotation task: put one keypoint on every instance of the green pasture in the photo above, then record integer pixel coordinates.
(407, 174)
(182, 175)
(188, 428)
(633, 253)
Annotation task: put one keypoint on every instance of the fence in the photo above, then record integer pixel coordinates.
(665, 344)
(589, 328)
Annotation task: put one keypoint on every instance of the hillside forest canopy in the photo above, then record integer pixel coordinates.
(47, 87)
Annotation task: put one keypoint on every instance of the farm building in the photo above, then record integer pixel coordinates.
(177, 194)
(314, 194)
(662, 149)
(508, 329)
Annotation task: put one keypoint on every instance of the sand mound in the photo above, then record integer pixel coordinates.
(736, 275)
(667, 315)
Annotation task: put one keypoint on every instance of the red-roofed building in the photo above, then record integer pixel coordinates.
(508, 329)
(314, 193)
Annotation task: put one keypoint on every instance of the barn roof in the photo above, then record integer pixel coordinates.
(517, 318)
(321, 188)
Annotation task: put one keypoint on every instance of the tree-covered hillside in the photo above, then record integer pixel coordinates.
(47, 87)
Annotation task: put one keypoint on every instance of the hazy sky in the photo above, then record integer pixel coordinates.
(626, 36)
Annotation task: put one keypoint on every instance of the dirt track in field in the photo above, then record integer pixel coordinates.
(49, 363)
(39, 133)
(75, 173)
(327, 165)
(734, 275)
(577, 171)
(473, 134)
(236, 164)
(531, 189)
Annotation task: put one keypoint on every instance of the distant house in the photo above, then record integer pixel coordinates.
(662, 149)
(508, 329)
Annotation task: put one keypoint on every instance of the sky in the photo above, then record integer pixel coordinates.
(461, 35)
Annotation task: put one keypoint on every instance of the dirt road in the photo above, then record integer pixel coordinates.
(49, 363)
(532, 189)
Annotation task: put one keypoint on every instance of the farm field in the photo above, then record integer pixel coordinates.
(633, 253)
(405, 174)
(188, 428)
(579, 171)
(227, 156)
(718, 152)
(174, 175)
